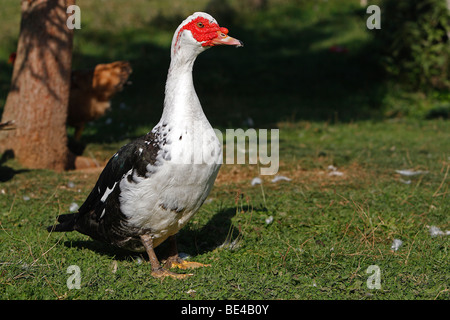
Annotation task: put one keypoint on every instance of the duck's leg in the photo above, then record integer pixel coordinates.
(175, 261)
(157, 270)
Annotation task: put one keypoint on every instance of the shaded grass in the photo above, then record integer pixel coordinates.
(285, 72)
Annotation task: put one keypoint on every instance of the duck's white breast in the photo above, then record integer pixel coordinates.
(175, 187)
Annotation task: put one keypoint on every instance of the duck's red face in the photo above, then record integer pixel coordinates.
(210, 33)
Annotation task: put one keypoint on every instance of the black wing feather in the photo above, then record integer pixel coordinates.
(102, 220)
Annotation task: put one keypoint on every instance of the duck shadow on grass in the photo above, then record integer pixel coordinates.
(191, 241)
(7, 173)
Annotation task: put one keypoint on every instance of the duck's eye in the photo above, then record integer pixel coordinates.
(200, 25)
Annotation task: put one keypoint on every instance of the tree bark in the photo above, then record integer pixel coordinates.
(40, 85)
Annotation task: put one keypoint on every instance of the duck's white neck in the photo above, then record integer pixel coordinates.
(181, 102)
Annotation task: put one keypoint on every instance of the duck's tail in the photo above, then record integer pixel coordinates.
(66, 223)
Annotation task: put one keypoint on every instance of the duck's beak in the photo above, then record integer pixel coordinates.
(224, 39)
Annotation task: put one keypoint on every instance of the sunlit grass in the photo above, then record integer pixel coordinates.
(312, 237)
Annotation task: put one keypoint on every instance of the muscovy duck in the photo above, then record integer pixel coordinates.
(152, 186)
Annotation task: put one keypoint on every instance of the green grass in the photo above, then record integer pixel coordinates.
(326, 230)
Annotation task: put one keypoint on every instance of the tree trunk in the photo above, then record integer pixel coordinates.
(40, 84)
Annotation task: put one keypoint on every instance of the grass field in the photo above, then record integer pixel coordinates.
(313, 237)
(326, 230)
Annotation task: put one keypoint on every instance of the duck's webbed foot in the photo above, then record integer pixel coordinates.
(157, 270)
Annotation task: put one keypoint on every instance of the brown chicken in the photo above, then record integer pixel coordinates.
(91, 92)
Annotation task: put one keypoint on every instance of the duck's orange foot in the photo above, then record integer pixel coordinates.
(177, 262)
